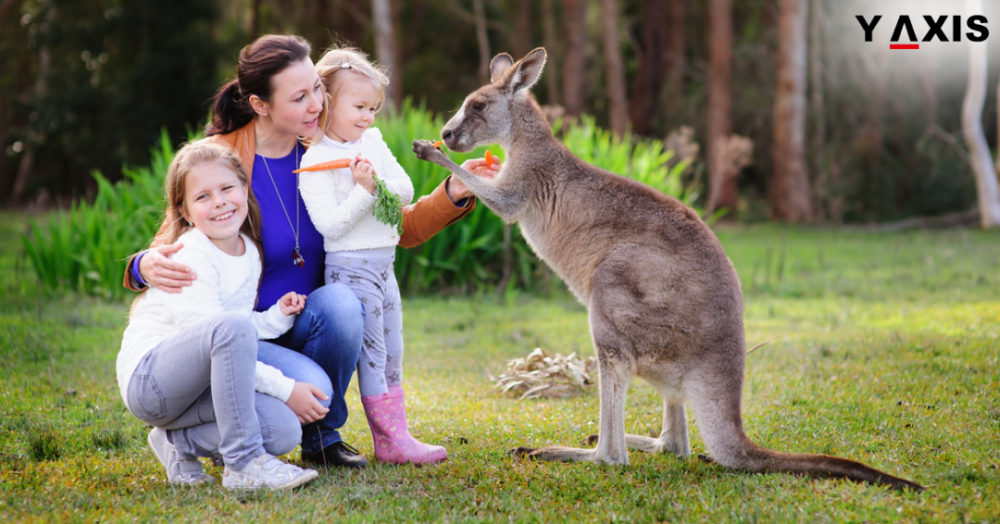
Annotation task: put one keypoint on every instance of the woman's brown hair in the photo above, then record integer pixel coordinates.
(259, 62)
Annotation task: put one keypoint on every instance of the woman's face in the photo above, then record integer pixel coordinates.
(353, 111)
(296, 100)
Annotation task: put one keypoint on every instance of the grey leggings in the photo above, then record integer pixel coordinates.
(199, 385)
(369, 274)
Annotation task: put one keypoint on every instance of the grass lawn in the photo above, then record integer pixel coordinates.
(879, 347)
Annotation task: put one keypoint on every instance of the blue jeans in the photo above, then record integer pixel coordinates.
(322, 349)
(199, 385)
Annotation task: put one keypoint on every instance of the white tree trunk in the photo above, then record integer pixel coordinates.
(972, 130)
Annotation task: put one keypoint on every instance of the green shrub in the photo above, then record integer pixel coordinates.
(85, 248)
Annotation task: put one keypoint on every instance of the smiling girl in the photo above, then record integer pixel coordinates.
(188, 361)
(360, 249)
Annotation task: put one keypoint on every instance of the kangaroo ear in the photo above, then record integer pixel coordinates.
(499, 65)
(527, 70)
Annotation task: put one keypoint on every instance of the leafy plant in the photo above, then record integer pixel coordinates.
(85, 247)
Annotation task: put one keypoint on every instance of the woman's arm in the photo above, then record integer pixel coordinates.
(448, 203)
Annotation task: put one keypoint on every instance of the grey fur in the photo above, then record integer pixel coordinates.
(663, 298)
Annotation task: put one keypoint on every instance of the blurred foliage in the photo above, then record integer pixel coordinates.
(85, 248)
(88, 85)
(106, 76)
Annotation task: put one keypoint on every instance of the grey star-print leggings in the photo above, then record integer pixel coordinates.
(369, 274)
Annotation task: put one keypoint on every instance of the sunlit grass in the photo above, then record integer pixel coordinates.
(880, 348)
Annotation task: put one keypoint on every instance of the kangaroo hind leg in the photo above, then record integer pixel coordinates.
(674, 436)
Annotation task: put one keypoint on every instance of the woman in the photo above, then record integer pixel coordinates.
(276, 98)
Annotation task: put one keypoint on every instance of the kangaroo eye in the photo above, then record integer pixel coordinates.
(478, 106)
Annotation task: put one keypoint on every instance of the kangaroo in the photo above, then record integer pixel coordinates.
(663, 299)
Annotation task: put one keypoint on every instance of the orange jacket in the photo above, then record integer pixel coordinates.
(421, 219)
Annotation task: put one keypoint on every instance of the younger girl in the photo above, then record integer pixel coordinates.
(360, 250)
(188, 361)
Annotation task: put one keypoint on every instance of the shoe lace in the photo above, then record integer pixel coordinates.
(349, 448)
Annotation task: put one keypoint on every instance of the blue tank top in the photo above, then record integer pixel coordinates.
(280, 273)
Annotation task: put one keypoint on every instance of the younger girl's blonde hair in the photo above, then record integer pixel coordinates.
(334, 66)
(185, 160)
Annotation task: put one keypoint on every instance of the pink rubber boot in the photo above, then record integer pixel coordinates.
(386, 415)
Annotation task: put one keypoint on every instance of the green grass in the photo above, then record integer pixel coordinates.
(880, 347)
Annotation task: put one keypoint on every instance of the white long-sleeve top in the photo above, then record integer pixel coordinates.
(340, 209)
(225, 283)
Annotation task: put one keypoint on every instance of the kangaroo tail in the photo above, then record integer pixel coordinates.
(717, 409)
(755, 459)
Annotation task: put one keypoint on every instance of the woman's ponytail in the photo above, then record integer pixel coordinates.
(259, 62)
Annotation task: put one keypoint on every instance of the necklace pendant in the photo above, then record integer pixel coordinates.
(297, 258)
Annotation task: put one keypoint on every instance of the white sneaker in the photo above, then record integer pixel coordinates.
(186, 471)
(266, 471)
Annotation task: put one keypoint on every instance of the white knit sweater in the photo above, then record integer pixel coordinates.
(342, 210)
(225, 283)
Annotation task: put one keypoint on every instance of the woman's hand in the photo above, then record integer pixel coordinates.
(477, 166)
(163, 273)
(364, 174)
(291, 303)
(303, 402)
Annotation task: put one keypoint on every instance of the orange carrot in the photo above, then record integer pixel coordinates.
(323, 166)
(438, 144)
(490, 159)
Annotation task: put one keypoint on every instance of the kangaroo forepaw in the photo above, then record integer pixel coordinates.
(425, 150)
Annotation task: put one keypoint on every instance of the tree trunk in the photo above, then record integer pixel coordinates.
(617, 99)
(574, 67)
(972, 130)
(385, 49)
(254, 19)
(648, 80)
(790, 194)
(817, 151)
(721, 179)
(523, 39)
(482, 39)
(675, 63)
(552, 44)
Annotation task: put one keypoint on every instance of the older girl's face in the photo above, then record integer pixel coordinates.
(215, 201)
(296, 100)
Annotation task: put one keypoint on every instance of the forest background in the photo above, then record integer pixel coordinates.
(874, 134)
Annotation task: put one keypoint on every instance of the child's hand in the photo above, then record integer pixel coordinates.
(364, 174)
(291, 303)
(303, 402)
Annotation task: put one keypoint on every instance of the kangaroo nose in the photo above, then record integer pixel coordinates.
(446, 134)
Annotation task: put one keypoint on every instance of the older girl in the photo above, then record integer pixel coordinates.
(188, 361)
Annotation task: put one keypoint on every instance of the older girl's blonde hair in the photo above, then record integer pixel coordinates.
(185, 160)
(334, 66)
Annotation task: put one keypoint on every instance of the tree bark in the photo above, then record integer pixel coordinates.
(648, 80)
(790, 193)
(482, 39)
(675, 62)
(552, 45)
(386, 49)
(617, 99)
(817, 108)
(721, 179)
(523, 39)
(972, 130)
(574, 66)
